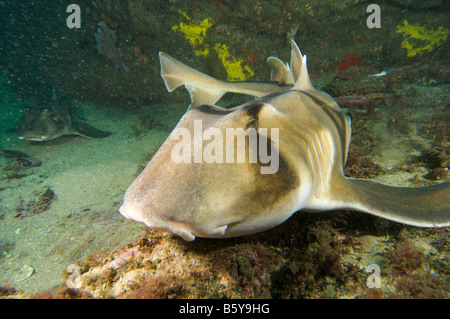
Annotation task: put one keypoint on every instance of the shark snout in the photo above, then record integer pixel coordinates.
(141, 215)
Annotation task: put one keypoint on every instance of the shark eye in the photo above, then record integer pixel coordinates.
(252, 123)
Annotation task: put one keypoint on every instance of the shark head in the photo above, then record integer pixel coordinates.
(214, 161)
(41, 124)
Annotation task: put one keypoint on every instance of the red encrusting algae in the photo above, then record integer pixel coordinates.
(350, 59)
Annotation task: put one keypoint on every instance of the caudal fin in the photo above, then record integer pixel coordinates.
(427, 206)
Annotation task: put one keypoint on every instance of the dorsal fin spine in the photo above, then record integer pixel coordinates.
(300, 69)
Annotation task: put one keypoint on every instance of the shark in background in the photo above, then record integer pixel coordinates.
(219, 200)
(54, 119)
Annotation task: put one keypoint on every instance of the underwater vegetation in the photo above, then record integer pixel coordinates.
(313, 257)
(37, 205)
(418, 39)
(18, 161)
(349, 60)
(233, 65)
(360, 165)
(196, 33)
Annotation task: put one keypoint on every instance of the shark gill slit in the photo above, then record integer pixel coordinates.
(337, 117)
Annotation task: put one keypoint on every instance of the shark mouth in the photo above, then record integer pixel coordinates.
(174, 227)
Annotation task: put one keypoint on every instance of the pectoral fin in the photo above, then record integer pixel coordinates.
(86, 130)
(427, 206)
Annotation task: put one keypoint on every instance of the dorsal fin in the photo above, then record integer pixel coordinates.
(202, 88)
(281, 72)
(299, 69)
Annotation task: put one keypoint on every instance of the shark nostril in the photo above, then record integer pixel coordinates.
(252, 123)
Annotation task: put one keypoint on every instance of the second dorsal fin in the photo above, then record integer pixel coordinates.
(299, 69)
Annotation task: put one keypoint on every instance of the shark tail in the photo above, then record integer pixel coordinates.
(202, 88)
(427, 206)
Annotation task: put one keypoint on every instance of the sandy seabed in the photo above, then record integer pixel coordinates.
(89, 178)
